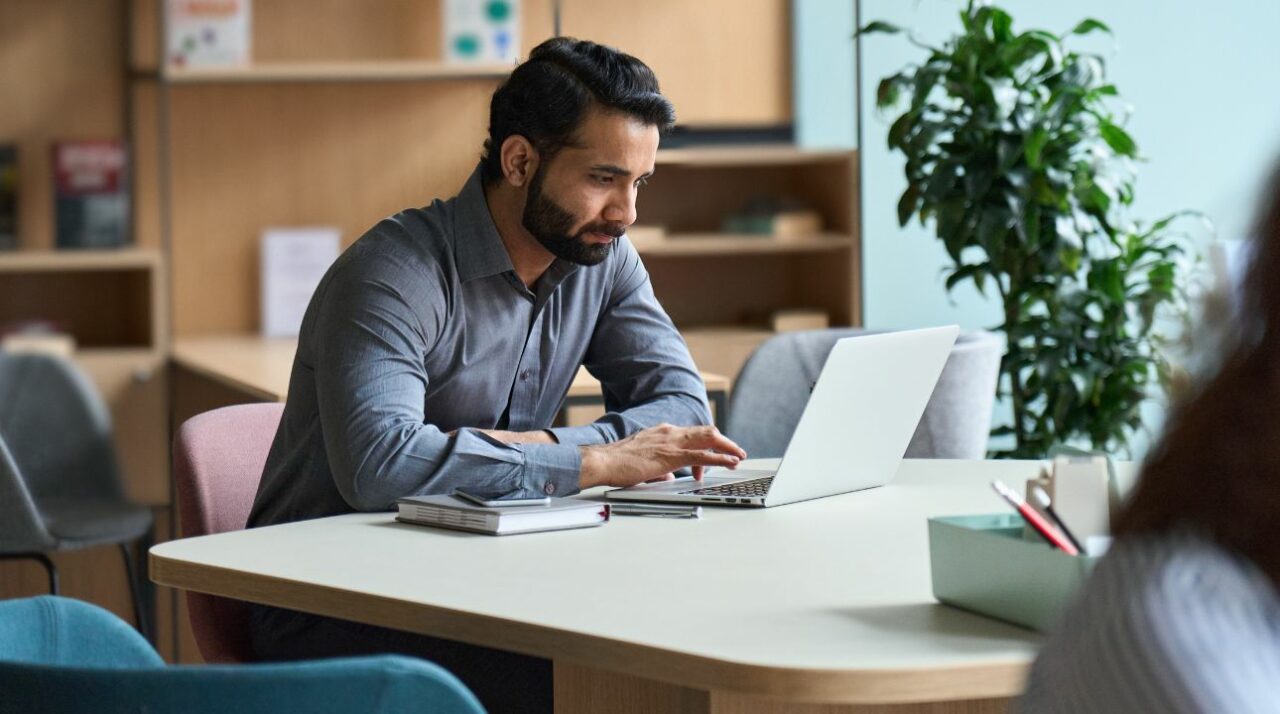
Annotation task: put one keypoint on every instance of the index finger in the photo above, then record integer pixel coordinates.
(709, 437)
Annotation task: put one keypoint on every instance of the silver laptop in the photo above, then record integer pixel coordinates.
(854, 430)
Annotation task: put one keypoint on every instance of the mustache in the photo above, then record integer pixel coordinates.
(608, 229)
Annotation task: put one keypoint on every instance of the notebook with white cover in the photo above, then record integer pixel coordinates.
(453, 512)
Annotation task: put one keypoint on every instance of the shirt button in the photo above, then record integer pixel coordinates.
(525, 375)
(549, 488)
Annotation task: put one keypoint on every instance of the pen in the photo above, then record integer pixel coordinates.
(1042, 498)
(659, 511)
(1034, 519)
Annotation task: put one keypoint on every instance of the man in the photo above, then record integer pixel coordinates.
(438, 349)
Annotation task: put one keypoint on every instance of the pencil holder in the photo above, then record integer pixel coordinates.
(983, 564)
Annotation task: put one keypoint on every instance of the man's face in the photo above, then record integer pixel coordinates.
(584, 198)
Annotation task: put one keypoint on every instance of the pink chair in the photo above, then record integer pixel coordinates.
(218, 457)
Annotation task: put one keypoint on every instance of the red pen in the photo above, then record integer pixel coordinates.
(1034, 519)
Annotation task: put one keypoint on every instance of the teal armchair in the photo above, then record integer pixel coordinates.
(61, 655)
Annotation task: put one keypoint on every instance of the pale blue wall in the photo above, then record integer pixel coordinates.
(1202, 78)
(826, 102)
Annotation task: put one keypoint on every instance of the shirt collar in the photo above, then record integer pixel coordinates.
(478, 249)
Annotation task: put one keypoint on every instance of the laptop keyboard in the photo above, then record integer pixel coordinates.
(754, 487)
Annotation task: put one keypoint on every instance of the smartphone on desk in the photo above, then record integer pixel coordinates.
(500, 502)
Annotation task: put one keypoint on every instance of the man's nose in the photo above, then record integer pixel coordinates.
(622, 209)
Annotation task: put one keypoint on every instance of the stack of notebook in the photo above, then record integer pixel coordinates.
(453, 512)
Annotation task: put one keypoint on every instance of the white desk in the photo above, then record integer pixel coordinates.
(822, 601)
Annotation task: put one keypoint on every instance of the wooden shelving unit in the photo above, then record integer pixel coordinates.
(748, 155)
(319, 71)
(727, 244)
(721, 288)
(48, 261)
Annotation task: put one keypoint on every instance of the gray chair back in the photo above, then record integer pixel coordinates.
(771, 390)
(57, 428)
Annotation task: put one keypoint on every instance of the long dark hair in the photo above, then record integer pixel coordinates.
(547, 97)
(1217, 466)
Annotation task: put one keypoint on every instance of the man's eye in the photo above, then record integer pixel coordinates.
(603, 178)
(642, 182)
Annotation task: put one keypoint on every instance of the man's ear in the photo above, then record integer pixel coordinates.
(519, 160)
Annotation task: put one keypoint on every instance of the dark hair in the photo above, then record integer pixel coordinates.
(547, 97)
(1216, 468)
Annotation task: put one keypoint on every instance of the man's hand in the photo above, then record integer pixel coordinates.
(654, 453)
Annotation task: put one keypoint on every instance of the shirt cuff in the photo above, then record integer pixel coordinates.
(585, 435)
(552, 469)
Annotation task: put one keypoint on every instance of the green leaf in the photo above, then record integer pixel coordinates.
(899, 130)
(878, 27)
(1106, 90)
(1118, 139)
(966, 272)
(1090, 25)
(1034, 146)
(907, 204)
(1001, 25)
(888, 91)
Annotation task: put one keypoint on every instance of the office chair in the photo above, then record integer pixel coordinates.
(218, 457)
(773, 387)
(60, 655)
(60, 483)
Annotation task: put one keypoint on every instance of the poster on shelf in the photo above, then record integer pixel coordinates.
(481, 30)
(91, 194)
(207, 33)
(293, 261)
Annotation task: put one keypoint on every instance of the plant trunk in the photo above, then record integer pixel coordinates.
(1012, 314)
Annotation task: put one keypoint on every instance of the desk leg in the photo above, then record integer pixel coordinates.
(580, 689)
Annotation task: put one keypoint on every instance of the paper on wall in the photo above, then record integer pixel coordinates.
(293, 261)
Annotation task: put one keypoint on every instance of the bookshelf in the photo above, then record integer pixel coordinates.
(721, 288)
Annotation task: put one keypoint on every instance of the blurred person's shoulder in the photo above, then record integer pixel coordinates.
(1162, 624)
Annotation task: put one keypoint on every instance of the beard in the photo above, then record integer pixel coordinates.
(551, 224)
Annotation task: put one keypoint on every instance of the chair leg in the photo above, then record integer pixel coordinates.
(41, 558)
(135, 587)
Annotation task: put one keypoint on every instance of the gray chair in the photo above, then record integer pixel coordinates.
(60, 484)
(770, 392)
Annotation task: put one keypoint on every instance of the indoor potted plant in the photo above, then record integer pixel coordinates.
(1015, 155)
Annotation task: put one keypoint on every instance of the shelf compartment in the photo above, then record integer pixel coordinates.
(318, 71)
(98, 306)
(678, 244)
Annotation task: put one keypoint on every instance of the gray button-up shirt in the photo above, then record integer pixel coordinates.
(422, 327)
